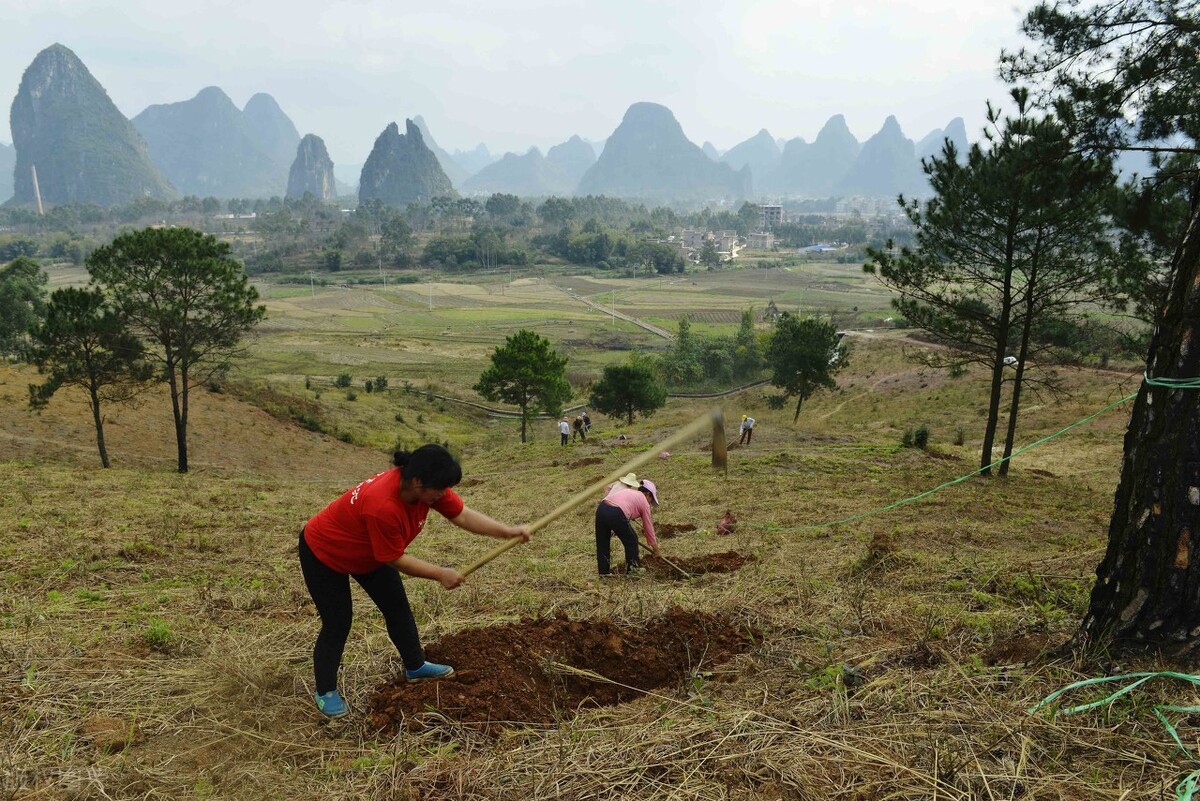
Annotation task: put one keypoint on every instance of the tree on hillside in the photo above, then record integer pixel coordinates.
(804, 354)
(1014, 236)
(657, 257)
(747, 355)
(1102, 64)
(183, 294)
(626, 390)
(84, 343)
(22, 302)
(709, 257)
(528, 373)
(396, 240)
(682, 365)
(502, 206)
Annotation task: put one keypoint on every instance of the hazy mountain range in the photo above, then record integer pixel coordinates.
(86, 151)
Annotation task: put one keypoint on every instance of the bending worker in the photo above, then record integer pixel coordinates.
(365, 535)
(627, 499)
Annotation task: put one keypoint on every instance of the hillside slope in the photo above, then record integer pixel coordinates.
(226, 436)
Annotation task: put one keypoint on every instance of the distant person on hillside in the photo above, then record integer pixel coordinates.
(365, 535)
(626, 499)
(747, 430)
(578, 429)
(564, 430)
(587, 422)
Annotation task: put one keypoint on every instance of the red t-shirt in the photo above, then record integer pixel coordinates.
(371, 525)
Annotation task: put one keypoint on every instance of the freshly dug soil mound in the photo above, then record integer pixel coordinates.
(726, 562)
(522, 672)
(669, 530)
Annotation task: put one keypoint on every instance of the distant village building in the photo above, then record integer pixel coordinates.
(692, 240)
(761, 240)
(770, 217)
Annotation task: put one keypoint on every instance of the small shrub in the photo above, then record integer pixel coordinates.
(308, 382)
(381, 383)
(906, 441)
(921, 437)
(399, 417)
(342, 381)
(960, 436)
(369, 386)
(351, 395)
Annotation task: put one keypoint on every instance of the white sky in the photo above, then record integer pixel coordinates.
(516, 73)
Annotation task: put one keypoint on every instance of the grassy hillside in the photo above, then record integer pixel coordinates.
(156, 633)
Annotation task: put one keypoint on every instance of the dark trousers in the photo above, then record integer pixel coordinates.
(611, 520)
(747, 435)
(564, 439)
(330, 591)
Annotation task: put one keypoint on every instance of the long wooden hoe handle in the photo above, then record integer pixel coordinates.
(713, 417)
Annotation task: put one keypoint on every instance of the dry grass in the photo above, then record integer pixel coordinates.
(156, 633)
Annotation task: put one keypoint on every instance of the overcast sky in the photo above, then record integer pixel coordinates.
(517, 73)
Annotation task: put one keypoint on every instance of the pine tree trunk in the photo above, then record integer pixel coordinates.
(179, 412)
(1148, 585)
(98, 420)
(1014, 404)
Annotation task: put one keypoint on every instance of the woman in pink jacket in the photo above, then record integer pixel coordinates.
(629, 498)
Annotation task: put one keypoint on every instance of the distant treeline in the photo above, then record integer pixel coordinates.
(286, 235)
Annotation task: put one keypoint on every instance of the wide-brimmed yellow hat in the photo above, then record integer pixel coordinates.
(630, 480)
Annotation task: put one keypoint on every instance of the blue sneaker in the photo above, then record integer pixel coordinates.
(429, 671)
(332, 705)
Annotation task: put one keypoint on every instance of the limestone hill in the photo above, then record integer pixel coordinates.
(85, 151)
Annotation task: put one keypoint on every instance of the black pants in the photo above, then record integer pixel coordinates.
(330, 591)
(611, 520)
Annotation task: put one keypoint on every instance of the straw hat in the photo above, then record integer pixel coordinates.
(630, 480)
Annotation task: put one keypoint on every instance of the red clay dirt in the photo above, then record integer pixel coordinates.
(514, 673)
(669, 530)
(658, 567)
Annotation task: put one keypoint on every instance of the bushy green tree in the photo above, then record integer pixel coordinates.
(683, 365)
(187, 298)
(747, 355)
(1015, 234)
(626, 390)
(528, 373)
(22, 302)
(84, 343)
(804, 355)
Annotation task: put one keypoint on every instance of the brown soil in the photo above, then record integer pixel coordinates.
(526, 672)
(590, 460)
(1017, 650)
(670, 530)
(726, 562)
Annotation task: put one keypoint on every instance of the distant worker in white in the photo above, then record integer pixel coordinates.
(747, 430)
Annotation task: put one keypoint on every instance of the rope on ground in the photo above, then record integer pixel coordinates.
(1190, 784)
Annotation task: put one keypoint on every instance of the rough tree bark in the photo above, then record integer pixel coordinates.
(1148, 585)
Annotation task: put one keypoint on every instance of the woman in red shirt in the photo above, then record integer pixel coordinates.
(365, 534)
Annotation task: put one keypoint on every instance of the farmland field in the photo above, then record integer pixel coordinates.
(841, 643)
